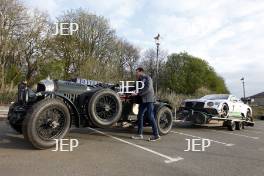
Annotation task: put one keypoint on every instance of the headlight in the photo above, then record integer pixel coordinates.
(46, 85)
(22, 92)
(210, 104)
(217, 103)
(135, 109)
(31, 96)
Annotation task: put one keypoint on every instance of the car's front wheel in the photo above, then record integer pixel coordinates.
(224, 111)
(46, 122)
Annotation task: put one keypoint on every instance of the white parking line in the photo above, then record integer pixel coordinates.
(242, 135)
(226, 144)
(168, 158)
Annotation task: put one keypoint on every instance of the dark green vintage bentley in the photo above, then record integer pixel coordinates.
(47, 113)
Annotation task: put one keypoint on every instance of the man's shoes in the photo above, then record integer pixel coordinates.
(154, 138)
(138, 137)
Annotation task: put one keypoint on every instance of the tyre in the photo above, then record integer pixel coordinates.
(243, 125)
(164, 120)
(16, 125)
(239, 125)
(199, 118)
(104, 108)
(231, 126)
(46, 121)
(249, 116)
(225, 110)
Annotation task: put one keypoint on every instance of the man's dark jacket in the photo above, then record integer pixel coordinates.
(147, 93)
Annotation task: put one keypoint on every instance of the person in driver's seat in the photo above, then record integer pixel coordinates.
(147, 104)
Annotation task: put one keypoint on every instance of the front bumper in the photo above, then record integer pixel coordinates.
(209, 111)
(198, 116)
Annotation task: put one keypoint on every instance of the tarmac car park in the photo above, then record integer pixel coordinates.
(111, 151)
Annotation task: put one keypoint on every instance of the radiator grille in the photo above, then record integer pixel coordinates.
(195, 105)
(72, 97)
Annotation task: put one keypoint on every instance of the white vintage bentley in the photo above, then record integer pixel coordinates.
(223, 105)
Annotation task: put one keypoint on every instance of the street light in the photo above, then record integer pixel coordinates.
(243, 84)
(157, 62)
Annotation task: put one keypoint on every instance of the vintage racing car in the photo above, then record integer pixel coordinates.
(48, 112)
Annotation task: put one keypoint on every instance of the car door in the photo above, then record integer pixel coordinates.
(231, 104)
(242, 108)
(237, 106)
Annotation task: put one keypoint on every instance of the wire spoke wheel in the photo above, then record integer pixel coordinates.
(47, 120)
(106, 107)
(164, 120)
(50, 123)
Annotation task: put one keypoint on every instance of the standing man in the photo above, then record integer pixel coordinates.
(147, 104)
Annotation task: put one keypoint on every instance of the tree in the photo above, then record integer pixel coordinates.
(34, 45)
(94, 51)
(22, 43)
(127, 56)
(149, 60)
(186, 74)
(93, 40)
(12, 22)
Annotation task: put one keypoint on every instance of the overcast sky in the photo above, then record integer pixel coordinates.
(226, 33)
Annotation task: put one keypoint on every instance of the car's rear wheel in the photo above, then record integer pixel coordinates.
(104, 108)
(46, 122)
(249, 116)
(231, 126)
(164, 120)
(239, 125)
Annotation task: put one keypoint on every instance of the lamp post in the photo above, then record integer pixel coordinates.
(157, 62)
(243, 84)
